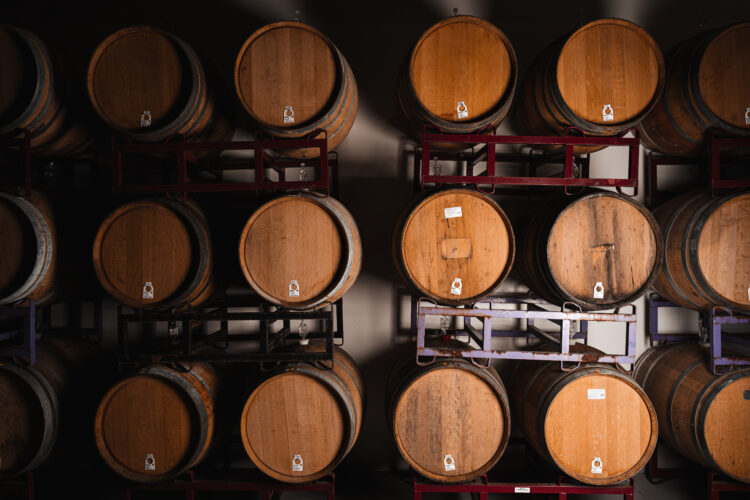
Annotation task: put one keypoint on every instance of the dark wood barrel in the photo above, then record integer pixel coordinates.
(705, 251)
(450, 419)
(703, 416)
(301, 251)
(159, 422)
(155, 254)
(454, 246)
(460, 78)
(598, 249)
(603, 79)
(28, 249)
(706, 87)
(321, 411)
(292, 80)
(31, 97)
(595, 423)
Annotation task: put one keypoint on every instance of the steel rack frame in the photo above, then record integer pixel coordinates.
(15, 154)
(24, 484)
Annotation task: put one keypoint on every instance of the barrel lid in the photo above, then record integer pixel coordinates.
(724, 76)
(610, 63)
(290, 415)
(21, 423)
(462, 59)
(17, 248)
(19, 76)
(600, 428)
(151, 67)
(287, 65)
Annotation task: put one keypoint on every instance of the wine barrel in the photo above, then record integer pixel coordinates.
(594, 423)
(300, 423)
(28, 249)
(34, 400)
(450, 419)
(460, 78)
(703, 416)
(706, 87)
(597, 249)
(168, 91)
(31, 97)
(603, 79)
(706, 241)
(301, 251)
(454, 246)
(292, 80)
(159, 422)
(155, 254)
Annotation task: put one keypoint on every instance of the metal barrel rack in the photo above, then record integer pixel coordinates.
(15, 158)
(24, 485)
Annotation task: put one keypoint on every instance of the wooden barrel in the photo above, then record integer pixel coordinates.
(594, 423)
(454, 246)
(28, 249)
(155, 254)
(301, 251)
(292, 80)
(705, 258)
(703, 416)
(31, 97)
(706, 87)
(603, 79)
(300, 423)
(450, 419)
(167, 89)
(598, 249)
(159, 422)
(460, 78)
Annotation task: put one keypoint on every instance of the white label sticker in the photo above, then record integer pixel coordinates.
(456, 286)
(146, 118)
(293, 288)
(597, 393)
(596, 465)
(608, 114)
(747, 116)
(449, 463)
(297, 463)
(521, 489)
(288, 114)
(148, 290)
(598, 290)
(452, 212)
(462, 110)
(150, 462)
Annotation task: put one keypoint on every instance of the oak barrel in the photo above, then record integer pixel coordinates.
(155, 254)
(706, 87)
(292, 80)
(460, 78)
(705, 242)
(703, 416)
(301, 251)
(32, 97)
(595, 423)
(454, 246)
(28, 249)
(597, 249)
(450, 419)
(300, 423)
(159, 422)
(602, 79)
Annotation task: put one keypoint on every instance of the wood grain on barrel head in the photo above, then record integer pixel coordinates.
(613, 62)
(20, 422)
(13, 247)
(601, 239)
(449, 412)
(617, 429)
(724, 75)
(15, 90)
(727, 428)
(462, 59)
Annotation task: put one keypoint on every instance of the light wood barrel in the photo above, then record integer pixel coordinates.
(706, 87)
(461, 77)
(454, 246)
(299, 424)
(301, 251)
(703, 416)
(31, 97)
(603, 79)
(159, 422)
(28, 249)
(450, 419)
(155, 254)
(292, 80)
(594, 423)
(598, 249)
(706, 241)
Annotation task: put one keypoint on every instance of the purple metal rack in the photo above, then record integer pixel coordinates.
(21, 342)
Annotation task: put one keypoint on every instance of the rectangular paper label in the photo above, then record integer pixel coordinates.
(452, 212)
(596, 393)
(520, 489)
